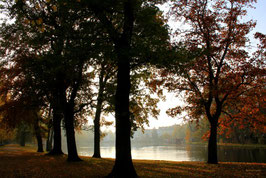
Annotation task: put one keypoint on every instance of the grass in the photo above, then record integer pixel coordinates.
(18, 161)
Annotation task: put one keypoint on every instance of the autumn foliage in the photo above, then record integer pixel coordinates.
(220, 80)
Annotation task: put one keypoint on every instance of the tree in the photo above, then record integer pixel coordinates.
(49, 139)
(56, 32)
(21, 46)
(219, 71)
(38, 132)
(107, 72)
(122, 42)
(119, 18)
(21, 104)
(6, 133)
(249, 110)
(22, 114)
(142, 105)
(144, 97)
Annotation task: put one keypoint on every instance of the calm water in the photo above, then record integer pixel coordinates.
(185, 153)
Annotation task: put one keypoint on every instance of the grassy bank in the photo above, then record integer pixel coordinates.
(18, 161)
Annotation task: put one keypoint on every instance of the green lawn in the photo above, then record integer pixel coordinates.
(18, 161)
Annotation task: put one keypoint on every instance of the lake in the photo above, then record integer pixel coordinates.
(185, 153)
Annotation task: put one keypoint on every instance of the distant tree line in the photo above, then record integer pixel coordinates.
(195, 133)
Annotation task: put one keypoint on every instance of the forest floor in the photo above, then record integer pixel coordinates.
(16, 161)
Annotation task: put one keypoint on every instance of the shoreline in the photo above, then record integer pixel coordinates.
(19, 161)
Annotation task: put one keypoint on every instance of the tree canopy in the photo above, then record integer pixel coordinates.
(219, 72)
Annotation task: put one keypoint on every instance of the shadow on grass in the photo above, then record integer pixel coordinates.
(26, 162)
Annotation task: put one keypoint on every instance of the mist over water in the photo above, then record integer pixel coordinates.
(173, 152)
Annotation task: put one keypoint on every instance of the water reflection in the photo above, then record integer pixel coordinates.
(238, 154)
(106, 152)
(160, 153)
(185, 153)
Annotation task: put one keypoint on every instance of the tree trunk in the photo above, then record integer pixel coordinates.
(212, 146)
(97, 131)
(57, 147)
(22, 140)
(123, 163)
(49, 132)
(70, 133)
(38, 135)
(237, 136)
(49, 140)
(39, 141)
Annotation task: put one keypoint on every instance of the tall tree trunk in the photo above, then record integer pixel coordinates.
(38, 135)
(22, 138)
(123, 163)
(70, 133)
(97, 131)
(39, 141)
(237, 136)
(22, 130)
(212, 146)
(49, 132)
(49, 139)
(57, 147)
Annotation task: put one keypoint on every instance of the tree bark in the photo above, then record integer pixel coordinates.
(49, 140)
(39, 141)
(123, 164)
(212, 146)
(57, 147)
(49, 132)
(97, 132)
(70, 133)
(22, 138)
(38, 135)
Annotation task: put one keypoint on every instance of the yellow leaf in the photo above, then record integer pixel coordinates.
(54, 8)
(39, 21)
(32, 22)
(26, 21)
(41, 29)
(37, 6)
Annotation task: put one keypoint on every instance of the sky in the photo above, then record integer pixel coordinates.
(259, 14)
